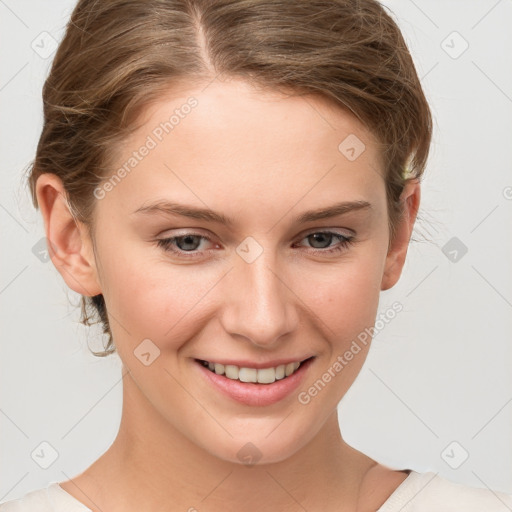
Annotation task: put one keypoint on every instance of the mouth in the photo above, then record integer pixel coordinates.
(255, 375)
(254, 386)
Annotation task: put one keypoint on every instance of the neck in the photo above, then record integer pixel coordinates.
(153, 466)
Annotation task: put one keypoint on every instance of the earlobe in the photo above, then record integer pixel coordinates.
(397, 251)
(69, 244)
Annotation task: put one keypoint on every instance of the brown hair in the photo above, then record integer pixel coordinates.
(119, 56)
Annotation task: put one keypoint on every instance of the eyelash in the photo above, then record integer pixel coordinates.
(344, 242)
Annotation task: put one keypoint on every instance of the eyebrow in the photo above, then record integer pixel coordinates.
(170, 208)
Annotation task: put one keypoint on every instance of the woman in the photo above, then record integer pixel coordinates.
(229, 185)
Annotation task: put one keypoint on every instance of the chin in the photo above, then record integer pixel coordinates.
(261, 448)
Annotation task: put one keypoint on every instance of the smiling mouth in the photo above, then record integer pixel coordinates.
(254, 375)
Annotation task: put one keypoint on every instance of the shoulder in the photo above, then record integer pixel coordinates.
(424, 492)
(49, 499)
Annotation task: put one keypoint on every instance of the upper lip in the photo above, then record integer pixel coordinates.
(245, 363)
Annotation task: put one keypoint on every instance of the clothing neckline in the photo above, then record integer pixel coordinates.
(396, 494)
(54, 489)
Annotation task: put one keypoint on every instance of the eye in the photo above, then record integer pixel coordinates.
(187, 245)
(323, 239)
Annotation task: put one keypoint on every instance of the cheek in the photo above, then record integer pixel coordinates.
(344, 296)
(345, 302)
(151, 298)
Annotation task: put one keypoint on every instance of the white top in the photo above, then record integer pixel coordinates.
(419, 492)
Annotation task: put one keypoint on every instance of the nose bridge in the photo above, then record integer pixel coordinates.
(259, 305)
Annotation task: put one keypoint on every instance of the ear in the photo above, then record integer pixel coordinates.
(68, 240)
(397, 251)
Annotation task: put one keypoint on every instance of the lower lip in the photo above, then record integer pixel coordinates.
(255, 394)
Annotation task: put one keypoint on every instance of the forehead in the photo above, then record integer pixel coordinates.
(268, 117)
(229, 139)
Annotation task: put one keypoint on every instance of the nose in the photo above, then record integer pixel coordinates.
(258, 303)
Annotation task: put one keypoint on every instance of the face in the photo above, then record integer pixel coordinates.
(275, 275)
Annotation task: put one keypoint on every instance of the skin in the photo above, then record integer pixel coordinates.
(261, 159)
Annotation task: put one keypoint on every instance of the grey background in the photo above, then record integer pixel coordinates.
(437, 385)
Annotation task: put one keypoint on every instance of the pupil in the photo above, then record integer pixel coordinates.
(319, 236)
(187, 239)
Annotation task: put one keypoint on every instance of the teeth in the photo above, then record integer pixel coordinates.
(261, 376)
(231, 371)
(248, 375)
(266, 375)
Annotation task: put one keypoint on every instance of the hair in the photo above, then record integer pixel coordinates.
(117, 57)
